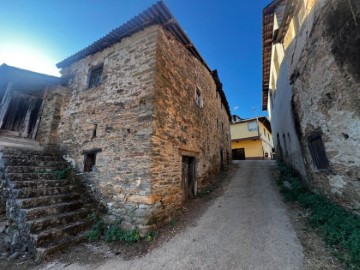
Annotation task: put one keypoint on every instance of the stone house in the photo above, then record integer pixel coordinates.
(141, 117)
(251, 138)
(310, 89)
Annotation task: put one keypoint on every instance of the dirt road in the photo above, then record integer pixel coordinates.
(245, 228)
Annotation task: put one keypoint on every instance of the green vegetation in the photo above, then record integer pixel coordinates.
(63, 174)
(150, 236)
(111, 233)
(339, 227)
(115, 233)
(173, 222)
(97, 230)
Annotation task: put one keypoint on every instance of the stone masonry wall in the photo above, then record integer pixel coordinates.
(121, 110)
(50, 117)
(180, 127)
(325, 67)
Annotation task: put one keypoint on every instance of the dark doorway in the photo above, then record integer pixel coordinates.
(188, 177)
(19, 114)
(238, 154)
(89, 162)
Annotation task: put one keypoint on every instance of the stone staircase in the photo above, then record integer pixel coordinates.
(48, 211)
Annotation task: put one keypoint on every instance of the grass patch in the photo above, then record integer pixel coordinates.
(111, 233)
(339, 227)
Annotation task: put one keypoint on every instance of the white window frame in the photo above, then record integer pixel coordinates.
(249, 124)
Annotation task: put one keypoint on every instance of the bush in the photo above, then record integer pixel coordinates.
(338, 226)
(96, 231)
(112, 233)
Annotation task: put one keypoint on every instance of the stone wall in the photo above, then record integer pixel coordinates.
(120, 109)
(324, 87)
(50, 117)
(181, 127)
(146, 119)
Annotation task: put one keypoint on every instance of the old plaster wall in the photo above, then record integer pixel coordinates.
(317, 90)
(120, 109)
(180, 127)
(327, 97)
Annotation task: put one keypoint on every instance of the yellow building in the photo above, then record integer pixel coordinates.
(251, 138)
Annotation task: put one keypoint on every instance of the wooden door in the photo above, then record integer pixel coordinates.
(188, 177)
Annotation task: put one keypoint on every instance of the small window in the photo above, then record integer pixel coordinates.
(252, 126)
(89, 162)
(317, 152)
(222, 126)
(198, 98)
(95, 76)
(94, 131)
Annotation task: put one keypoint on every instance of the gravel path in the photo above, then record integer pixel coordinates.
(247, 227)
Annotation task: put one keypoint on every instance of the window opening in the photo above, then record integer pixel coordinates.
(252, 126)
(198, 98)
(95, 76)
(317, 152)
(94, 131)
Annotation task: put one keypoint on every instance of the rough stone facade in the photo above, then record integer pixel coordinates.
(317, 86)
(180, 127)
(139, 122)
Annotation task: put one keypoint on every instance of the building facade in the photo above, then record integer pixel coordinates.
(251, 138)
(142, 118)
(310, 89)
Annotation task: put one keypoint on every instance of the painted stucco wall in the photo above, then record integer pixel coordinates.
(241, 131)
(266, 140)
(253, 148)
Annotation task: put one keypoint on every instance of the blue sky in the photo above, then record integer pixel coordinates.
(36, 34)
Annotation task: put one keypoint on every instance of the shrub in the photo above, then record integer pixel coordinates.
(112, 233)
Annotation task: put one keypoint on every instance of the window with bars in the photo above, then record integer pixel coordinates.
(317, 152)
(95, 76)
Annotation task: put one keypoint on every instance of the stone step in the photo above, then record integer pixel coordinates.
(49, 161)
(31, 176)
(47, 200)
(17, 159)
(47, 237)
(32, 169)
(44, 223)
(9, 141)
(60, 244)
(40, 183)
(38, 212)
(45, 191)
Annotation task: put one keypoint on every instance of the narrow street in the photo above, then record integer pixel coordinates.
(245, 228)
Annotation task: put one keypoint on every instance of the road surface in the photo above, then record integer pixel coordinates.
(247, 227)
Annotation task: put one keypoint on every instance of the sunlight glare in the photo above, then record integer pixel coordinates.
(26, 57)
